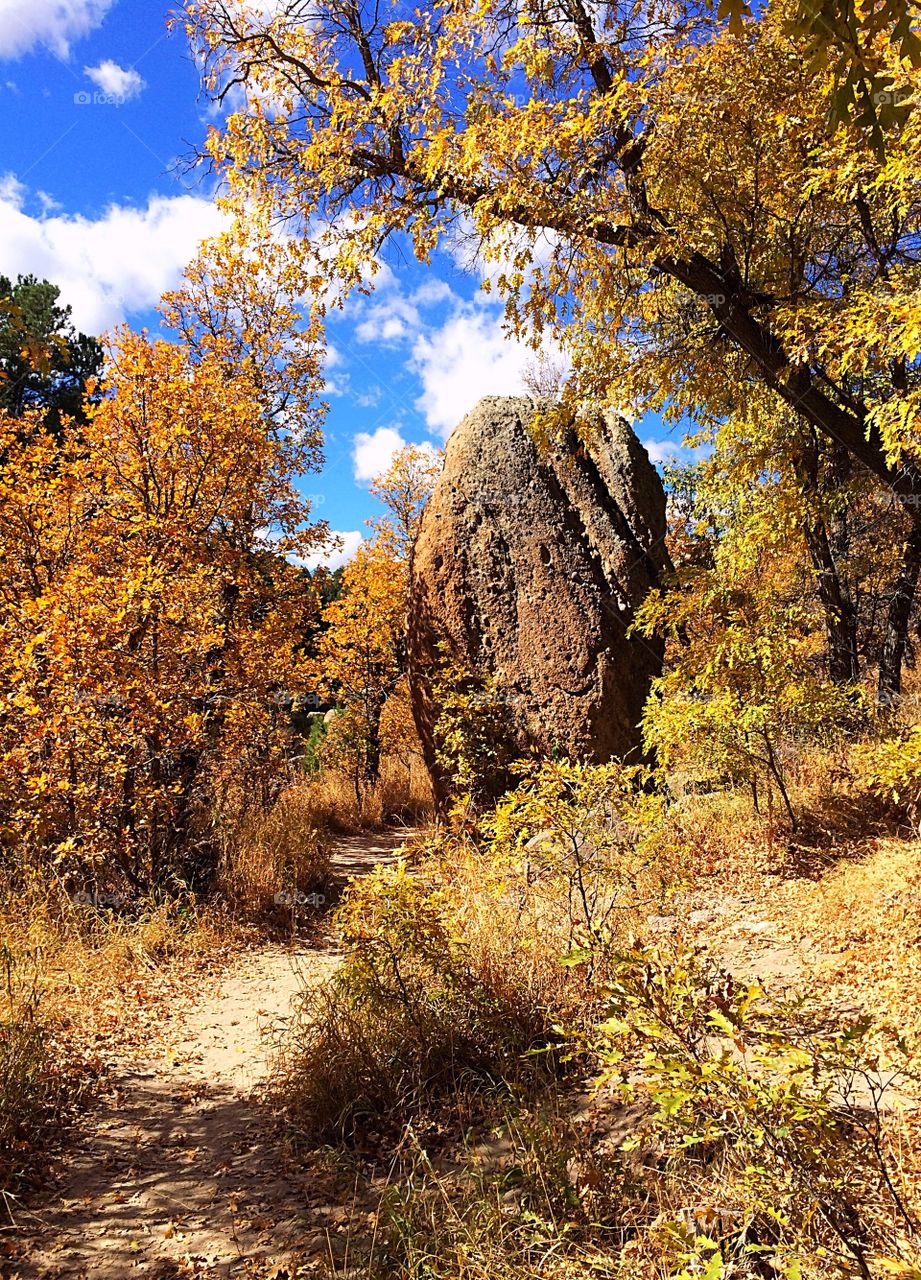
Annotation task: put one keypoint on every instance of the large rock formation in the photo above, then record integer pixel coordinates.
(528, 567)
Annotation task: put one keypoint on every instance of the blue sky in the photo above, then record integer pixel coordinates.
(98, 106)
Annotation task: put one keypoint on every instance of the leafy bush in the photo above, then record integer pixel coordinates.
(762, 1137)
(475, 741)
(744, 682)
(731, 1136)
(893, 771)
(581, 836)
(312, 737)
(421, 1008)
(451, 975)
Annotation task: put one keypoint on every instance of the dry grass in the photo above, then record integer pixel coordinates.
(554, 1195)
(278, 858)
(842, 894)
(564, 1202)
(41, 1080)
(446, 990)
(401, 797)
(80, 983)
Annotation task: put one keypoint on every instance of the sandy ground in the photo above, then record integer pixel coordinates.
(180, 1171)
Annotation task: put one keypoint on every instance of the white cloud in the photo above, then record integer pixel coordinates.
(393, 317)
(669, 452)
(107, 267)
(336, 556)
(467, 358)
(370, 398)
(372, 454)
(12, 191)
(335, 384)
(433, 291)
(389, 320)
(24, 24)
(122, 83)
(48, 203)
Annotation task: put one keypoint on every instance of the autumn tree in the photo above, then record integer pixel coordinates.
(777, 480)
(661, 189)
(359, 655)
(360, 652)
(238, 306)
(403, 489)
(148, 623)
(747, 672)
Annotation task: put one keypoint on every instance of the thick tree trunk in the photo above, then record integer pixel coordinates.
(826, 550)
(837, 605)
(898, 619)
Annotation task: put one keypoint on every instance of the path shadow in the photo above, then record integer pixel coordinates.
(181, 1170)
(358, 855)
(175, 1174)
(836, 829)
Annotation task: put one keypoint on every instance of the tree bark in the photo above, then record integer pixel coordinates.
(898, 619)
(373, 710)
(837, 606)
(826, 552)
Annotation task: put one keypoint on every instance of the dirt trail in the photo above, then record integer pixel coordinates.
(179, 1171)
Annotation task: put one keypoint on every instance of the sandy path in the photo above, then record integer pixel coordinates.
(179, 1171)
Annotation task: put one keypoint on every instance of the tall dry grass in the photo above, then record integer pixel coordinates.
(40, 1081)
(447, 992)
(276, 858)
(402, 796)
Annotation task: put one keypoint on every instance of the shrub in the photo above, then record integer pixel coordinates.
(762, 1137)
(452, 975)
(475, 739)
(743, 683)
(581, 836)
(893, 771)
(731, 1136)
(401, 793)
(420, 1009)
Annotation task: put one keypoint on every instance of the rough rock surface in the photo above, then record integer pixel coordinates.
(528, 566)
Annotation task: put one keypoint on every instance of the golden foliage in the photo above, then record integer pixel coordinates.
(665, 194)
(146, 620)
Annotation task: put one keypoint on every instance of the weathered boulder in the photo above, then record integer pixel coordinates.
(528, 567)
